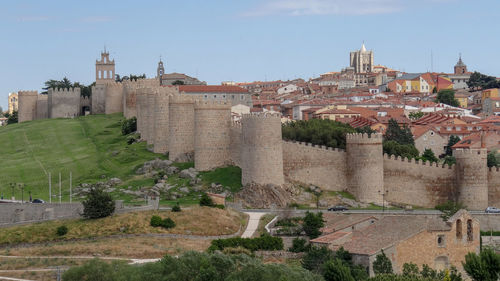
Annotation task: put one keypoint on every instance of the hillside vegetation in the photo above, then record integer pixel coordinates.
(91, 147)
(194, 221)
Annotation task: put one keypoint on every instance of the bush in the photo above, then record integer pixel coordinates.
(168, 223)
(220, 206)
(205, 200)
(129, 126)
(62, 230)
(298, 245)
(176, 208)
(382, 264)
(156, 221)
(315, 257)
(98, 204)
(266, 242)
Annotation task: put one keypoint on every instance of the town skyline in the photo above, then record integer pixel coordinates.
(252, 43)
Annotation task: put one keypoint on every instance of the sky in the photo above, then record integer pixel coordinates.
(239, 40)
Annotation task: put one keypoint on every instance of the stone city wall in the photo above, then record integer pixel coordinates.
(42, 107)
(160, 119)
(16, 212)
(235, 143)
(417, 183)
(64, 103)
(472, 177)
(98, 99)
(494, 187)
(150, 115)
(318, 165)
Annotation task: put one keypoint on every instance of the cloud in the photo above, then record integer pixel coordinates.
(97, 19)
(326, 7)
(32, 18)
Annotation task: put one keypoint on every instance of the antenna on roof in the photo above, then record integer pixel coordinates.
(104, 48)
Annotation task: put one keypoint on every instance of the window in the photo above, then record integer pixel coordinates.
(441, 241)
(205, 96)
(459, 229)
(232, 96)
(470, 234)
(215, 96)
(432, 133)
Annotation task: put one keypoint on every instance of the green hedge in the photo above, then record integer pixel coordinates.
(265, 242)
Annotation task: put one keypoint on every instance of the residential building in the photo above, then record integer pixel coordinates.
(233, 94)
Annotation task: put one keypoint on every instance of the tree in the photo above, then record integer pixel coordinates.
(447, 96)
(98, 204)
(410, 269)
(483, 267)
(12, 118)
(492, 160)
(312, 224)
(404, 150)
(478, 81)
(451, 142)
(65, 83)
(450, 160)
(429, 156)
(178, 82)
(205, 200)
(336, 270)
(382, 264)
(415, 115)
(401, 135)
(318, 132)
(449, 209)
(315, 257)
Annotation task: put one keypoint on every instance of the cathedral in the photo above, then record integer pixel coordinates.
(362, 60)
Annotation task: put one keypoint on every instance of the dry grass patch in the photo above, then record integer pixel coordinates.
(133, 247)
(195, 221)
(36, 263)
(38, 276)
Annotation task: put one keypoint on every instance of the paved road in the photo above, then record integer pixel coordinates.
(253, 223)
(387, 212)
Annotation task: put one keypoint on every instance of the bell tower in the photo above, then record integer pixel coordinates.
(104, 69)
(160, 70)
(460, 67)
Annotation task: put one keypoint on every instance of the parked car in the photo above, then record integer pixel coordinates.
(37, 201)
(338, 208)
(492, 210)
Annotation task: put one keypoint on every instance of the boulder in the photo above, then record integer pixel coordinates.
(114, 181)
(188, 174)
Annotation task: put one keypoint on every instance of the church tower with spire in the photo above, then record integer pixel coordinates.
(362, 60)
(460, 67)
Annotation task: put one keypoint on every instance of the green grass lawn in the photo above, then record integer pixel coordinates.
(93, 149)
(90, 147)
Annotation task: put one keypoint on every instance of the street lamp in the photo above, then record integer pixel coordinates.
(384, 193)
(12, 186)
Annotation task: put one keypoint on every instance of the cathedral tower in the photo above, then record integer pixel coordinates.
(362, 60)
(460, 67)
(104, 69)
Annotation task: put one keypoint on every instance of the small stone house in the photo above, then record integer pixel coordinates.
(411, 238)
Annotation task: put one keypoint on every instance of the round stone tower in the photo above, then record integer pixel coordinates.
(141, 99)
(150, 115)
(261, 149)
(365, 167)
(472, 178)
(160, 119)
(181, 128)
(212, 124)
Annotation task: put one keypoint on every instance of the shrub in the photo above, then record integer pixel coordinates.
(237, 251)
(176, 208)
(129, 126)
(62, 230)
(168, 223)
(220, 206)
(155, 221)
(382, 264)
(298, 245)
(335, 270)
(205, 200)
(98, 204)
(266, 242)
(315, 257)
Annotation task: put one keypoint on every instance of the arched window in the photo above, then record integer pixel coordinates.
(470, 235)
(459, 229)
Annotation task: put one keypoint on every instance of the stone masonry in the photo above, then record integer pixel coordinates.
(181, 128)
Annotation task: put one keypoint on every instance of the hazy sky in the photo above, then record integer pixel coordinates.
(239, 40)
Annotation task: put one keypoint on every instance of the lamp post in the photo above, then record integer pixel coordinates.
(12, 186)
(383, 199)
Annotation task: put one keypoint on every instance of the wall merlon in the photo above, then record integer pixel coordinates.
(260, 115)
(27, 93)
(364, 138)
(216, 105)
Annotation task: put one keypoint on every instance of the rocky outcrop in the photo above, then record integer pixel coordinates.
(264, 196)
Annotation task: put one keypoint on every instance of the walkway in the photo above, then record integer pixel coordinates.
(253, 223)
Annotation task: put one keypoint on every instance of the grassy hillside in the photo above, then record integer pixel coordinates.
(91, 147)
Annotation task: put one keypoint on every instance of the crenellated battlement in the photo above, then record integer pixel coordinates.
(216, 105)
(27, 93)
(319, 147)
(364, 138)
(63, 92)
(416, 161)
